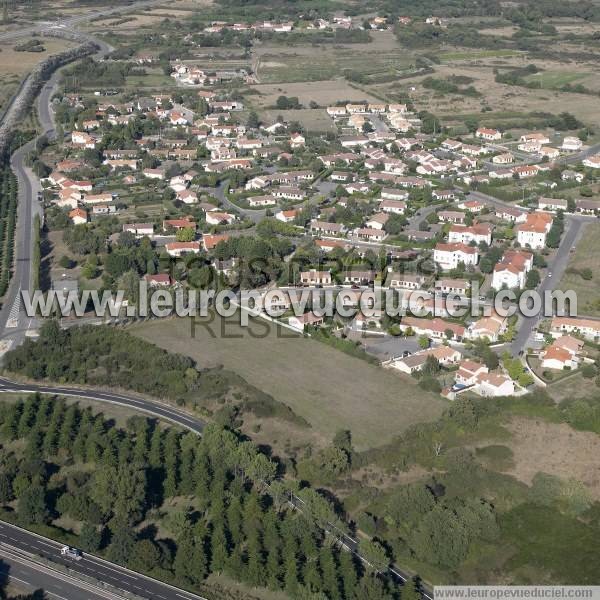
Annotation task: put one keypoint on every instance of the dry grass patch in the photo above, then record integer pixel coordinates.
(330, 389)
(557, 449)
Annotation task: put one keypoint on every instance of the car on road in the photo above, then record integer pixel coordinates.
(70, 552)
(549, 274)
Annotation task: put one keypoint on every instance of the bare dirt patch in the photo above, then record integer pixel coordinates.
(556, 449)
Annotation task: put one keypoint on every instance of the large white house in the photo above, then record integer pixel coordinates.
(480, 232)
(511, 271)
(449, 256)
(533, 232)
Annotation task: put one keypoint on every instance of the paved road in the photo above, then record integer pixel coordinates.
(91, 566)
(573, 232)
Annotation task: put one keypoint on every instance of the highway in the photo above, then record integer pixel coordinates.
(14, 322)
(89, 566)
(28, 572)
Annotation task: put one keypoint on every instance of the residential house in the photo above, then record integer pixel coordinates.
(468, 372)
(377, 221)
(489, 328)
(466, 234)
(392, 194)
(370, 234)
(593, 162)
(139, 229)
(536, 136)
(587, 328)
(434, 328)
(324, 227)
(308, 319)
(316, 277)
(511, 271)
(210, 240)
(505, 158)
(287, 216)
(78, 216)
(571, 144)
(407, 281)
(396, 207)
(494, 385)
(452, 216)
(415, 362)
(453, 286)
(178, 249)
(512, 214)
(552, 204)
(533, 231)
(449, 256)
(219, 218)
(485, 133)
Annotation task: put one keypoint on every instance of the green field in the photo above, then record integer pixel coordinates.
(331, 390)
(553, 80)
(476, 54)
(586, 255)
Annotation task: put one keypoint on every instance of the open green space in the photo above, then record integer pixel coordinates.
(329, 389)
(551, 80)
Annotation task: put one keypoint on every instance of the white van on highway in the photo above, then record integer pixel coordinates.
(70, 552)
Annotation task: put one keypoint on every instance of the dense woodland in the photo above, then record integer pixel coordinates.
(214, 495)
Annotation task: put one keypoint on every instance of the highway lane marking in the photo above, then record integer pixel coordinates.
(103, 566)
(32, 586)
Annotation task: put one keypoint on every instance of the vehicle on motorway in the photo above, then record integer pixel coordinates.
(549, 274)
(70, 552)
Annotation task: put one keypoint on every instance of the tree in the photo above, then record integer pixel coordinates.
(145, 556)
(218, 546)
(89, 537)
(32, 507)
(122, 542)
(431, 366)
(185, 234)
(253, 121)
(374, 553)
(424, 342)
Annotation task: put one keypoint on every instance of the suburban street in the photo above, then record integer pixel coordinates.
(574, 228)
(89, 566)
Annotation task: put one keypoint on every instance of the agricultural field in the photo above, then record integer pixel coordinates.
(586, 256)
(382, 58)
(328, 388)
